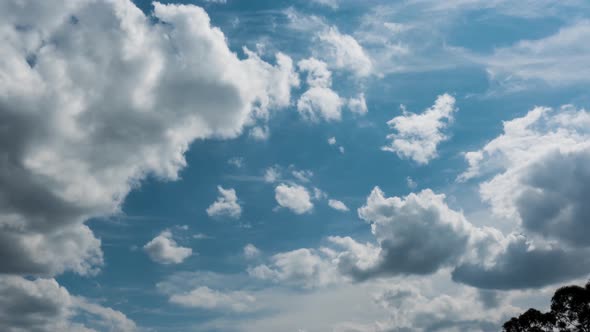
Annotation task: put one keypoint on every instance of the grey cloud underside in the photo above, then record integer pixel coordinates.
(520, 268)
(555, 203)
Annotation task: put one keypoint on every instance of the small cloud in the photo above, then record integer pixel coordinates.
(411, 183)
(238, 162)
(337, 205)
(293, 197)
(251, 252)
(332, 140)
(164, 250)
(225, 205)
(272, 174)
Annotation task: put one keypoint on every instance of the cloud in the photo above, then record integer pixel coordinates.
(94, 110)
(333, 4)
(539, 173)
(358, 105)
(251, 252)
(206, 298)
(417, 234)
(522, 265)
(344, 52)
(418, 135)
(337, 205)
(226, 204)
(558, 59)
(319, 101)
(293, 197)
(304, 268)
(42, 305)
(332, 140)
(164, 250)
(302, 175)
(272, 174)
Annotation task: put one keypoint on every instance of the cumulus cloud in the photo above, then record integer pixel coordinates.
(251, 252)
(358, 105)
(304, 268)
(164, 250)
(319, 101)
(42, 305)
(293, 197)
(226, 204)
(344, 52)
(332, 140)
(418, 135)
(93, 111)
(540, 173)
(337, 205)
(206, 298)
(417, 234)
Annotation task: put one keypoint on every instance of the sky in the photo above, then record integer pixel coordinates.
(297, 166)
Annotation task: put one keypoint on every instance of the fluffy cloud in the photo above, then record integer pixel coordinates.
(293, 197)
(418, 135)
(94, 110)
(540, 173)
(319, 101)
(208, 299)
(42, 305)
(358, 105)
(302, 268)
(225, 205)
(251, 252)
(337, 205)
(164, 250)
(344, 52)
(417, 234)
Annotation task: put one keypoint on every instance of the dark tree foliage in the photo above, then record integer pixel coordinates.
(570, 312)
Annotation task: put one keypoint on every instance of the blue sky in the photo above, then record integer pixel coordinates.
(325, 165)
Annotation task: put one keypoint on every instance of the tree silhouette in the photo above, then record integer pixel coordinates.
(570, 312)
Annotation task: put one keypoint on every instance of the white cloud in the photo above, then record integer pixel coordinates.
(138, 93)
(302, 175)
(418, 135)
(42, 305)
(411, 183)
(293, 197)
(559, 59)
(251, 252)
(344, 52)
(332, 140)
(226, 204)
(260, 133)
(337, 205)
(319, 101)
(302, 268)
(206, 298)
(272, 174)
(539, 172)
(164, 250)
(358, 105)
